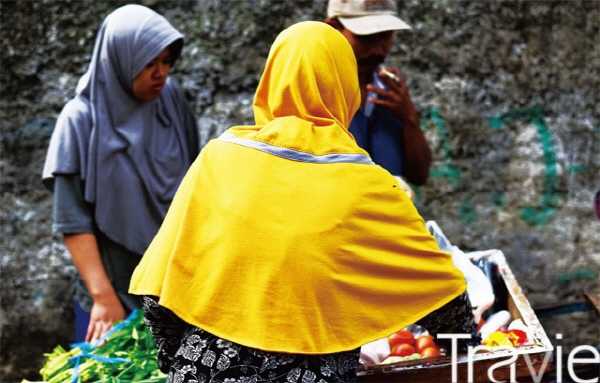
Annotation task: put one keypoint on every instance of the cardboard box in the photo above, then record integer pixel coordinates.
(521, 364)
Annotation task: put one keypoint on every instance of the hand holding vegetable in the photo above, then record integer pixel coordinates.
(105, 312)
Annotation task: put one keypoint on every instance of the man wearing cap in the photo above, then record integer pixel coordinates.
(387, 124)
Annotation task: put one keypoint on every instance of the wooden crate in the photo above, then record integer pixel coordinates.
(521, 364)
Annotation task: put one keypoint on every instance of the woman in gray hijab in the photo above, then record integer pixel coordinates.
(116, 157)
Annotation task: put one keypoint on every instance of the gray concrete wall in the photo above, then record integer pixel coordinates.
(508, 93)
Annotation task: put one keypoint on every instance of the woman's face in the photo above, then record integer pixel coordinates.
(148, 84)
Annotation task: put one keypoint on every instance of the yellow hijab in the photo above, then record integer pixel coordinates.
(284, 236)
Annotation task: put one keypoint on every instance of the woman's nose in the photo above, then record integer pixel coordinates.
(162, 70)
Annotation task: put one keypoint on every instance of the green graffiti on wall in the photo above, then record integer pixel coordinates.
(447, 169)
(466, 211)
(578, 168)
(578, 274)
(549, 200)
(497, 199)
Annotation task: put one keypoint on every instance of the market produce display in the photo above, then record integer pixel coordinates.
(406, 345)
(126, 354)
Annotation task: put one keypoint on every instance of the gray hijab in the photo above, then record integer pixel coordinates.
(132, 155)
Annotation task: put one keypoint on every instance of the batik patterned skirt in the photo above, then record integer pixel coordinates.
(189, 354)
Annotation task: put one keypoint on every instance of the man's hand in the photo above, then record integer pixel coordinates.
(416, 153)
(397, 98)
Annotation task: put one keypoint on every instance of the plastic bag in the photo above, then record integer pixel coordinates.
(374, 352)
(479, 287)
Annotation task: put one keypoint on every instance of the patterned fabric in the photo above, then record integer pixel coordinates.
(456, 317)
(189, 354)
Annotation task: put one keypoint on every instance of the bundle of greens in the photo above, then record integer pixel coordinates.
(126, 354)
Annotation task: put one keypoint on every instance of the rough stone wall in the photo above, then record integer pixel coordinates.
(508, 93)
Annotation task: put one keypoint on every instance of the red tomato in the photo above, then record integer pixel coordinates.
(424, 341)
(402, 336)
(430, 352)
(402, 349)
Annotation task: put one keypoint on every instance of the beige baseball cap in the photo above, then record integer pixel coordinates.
(366, 17)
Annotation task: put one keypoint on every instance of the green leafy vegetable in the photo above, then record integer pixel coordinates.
(126, 354)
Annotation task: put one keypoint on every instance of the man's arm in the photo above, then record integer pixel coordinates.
(415, 149)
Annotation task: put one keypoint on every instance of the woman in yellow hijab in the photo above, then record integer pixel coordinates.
(286, 248)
